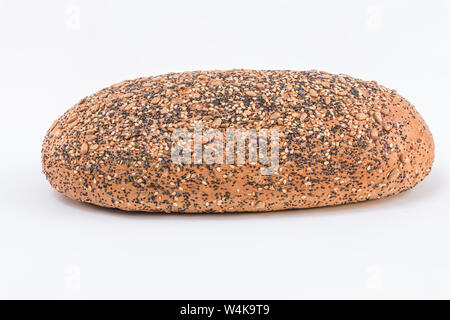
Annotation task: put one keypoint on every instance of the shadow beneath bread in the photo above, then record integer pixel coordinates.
(432, 187)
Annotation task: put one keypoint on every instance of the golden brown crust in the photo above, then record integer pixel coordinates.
(343, 140)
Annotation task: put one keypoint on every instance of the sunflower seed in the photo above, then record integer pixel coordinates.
(260, 205)
(72, 125)
(303, 116)
(394, 174)
(72, 118)
(250, 93)
(374, 133)
(84, 148)
(91, 137)
(216, 123)
(404, 158)
(165, 110)
(275, 116)
(313, 93)
(247, 113)
(90, 132)
(58, 133)
(155, 100)
(378, 118)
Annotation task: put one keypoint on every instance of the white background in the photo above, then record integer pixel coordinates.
(52, 53)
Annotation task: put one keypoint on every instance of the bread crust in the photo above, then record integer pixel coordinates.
(343, 140)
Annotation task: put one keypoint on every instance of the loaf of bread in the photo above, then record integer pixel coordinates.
(160, 144)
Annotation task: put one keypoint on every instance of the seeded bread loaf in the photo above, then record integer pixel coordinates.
(341, 140)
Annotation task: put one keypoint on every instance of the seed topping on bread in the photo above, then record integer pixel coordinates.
(342, 140)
